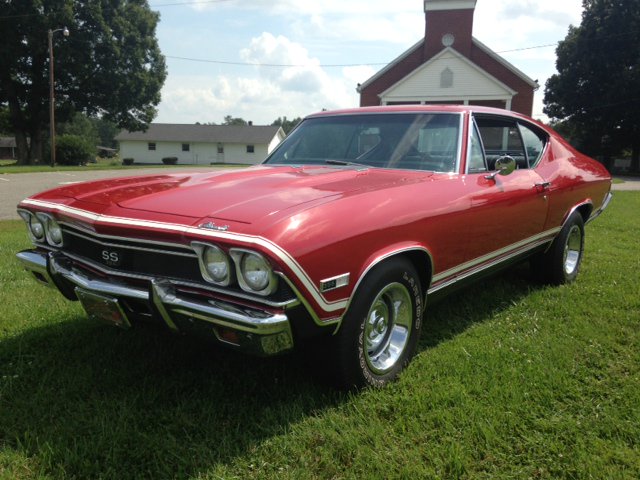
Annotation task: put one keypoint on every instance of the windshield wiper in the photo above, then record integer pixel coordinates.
(346, 163)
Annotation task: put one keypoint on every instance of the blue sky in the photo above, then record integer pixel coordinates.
(360, 36)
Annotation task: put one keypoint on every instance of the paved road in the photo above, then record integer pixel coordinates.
(16, 186)
(630, 183)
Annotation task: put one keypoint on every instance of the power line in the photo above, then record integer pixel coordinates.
(331, 65)
(276, 65)
(198, 2)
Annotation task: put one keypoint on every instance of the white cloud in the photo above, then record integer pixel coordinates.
(309, 33)
(271, 93)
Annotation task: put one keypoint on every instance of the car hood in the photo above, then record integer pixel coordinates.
(241, 196)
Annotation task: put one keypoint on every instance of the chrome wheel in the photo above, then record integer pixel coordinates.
(387, 328)
(572, 250)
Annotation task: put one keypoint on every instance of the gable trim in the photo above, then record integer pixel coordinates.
(505, 63)
(389, 66)
(458, 56)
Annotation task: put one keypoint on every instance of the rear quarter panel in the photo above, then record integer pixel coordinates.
(575, 179)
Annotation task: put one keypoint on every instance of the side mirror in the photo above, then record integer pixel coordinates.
(505, 165)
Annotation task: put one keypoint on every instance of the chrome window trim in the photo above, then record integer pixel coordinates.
(519, 122)
(536, 130)
(460, 140)
(474, 127)
(400, 112)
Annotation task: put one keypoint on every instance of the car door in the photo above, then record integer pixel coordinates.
(507, 212)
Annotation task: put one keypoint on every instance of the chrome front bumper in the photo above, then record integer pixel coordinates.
(250, 329)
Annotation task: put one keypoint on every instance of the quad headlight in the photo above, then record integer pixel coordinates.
(36, 228)
(252, 271)
(255, 271)
(53, 231)
(41, 227)
(215, 265)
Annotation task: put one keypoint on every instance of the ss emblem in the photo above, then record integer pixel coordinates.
(111, 258)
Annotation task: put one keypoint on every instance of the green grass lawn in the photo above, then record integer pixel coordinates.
(511, 380)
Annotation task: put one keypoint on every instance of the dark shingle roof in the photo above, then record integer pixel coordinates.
(176, 132)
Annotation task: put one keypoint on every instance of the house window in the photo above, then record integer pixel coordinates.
(185, 147)
(151, 145)
(446, 78)
(251, 149)
(220, 148)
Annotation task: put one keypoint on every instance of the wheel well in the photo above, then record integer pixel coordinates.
(421, 260)
(585, 210)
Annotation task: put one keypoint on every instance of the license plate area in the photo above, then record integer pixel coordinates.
(103, 308)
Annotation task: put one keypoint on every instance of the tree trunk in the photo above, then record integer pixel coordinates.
(635, 157)
(22, 147)
(30, 148)
(37, 148)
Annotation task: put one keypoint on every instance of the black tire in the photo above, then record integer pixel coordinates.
(375, 342)
(561, 263)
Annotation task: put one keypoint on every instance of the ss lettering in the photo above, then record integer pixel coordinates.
(110, 257)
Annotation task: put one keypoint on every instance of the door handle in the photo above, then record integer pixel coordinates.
(543, 186)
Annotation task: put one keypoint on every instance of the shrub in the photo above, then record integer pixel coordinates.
(170, 160)
(74, 150)
(127, 161)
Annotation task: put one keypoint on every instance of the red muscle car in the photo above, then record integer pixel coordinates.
(336, 241)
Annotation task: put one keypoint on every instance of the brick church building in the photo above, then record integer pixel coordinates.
(450, 66)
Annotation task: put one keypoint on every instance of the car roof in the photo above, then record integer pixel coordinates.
(421, 108)
(441, 108)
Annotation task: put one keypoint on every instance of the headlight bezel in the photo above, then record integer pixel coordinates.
(50, 224)
(30, 217)
(238, 255)
(201, 249)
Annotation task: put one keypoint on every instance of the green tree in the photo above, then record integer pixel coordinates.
(5, 124)
(107, 132)
(74, 150)
(110, 66)
(287, 125)
(229, 120)
(81, 126)
(597, 87)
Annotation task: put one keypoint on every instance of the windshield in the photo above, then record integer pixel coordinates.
(403, 141)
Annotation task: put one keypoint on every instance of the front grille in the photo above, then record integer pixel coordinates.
(150, 259)
(134, 258)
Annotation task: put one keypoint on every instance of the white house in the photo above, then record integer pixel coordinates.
(200, 144)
